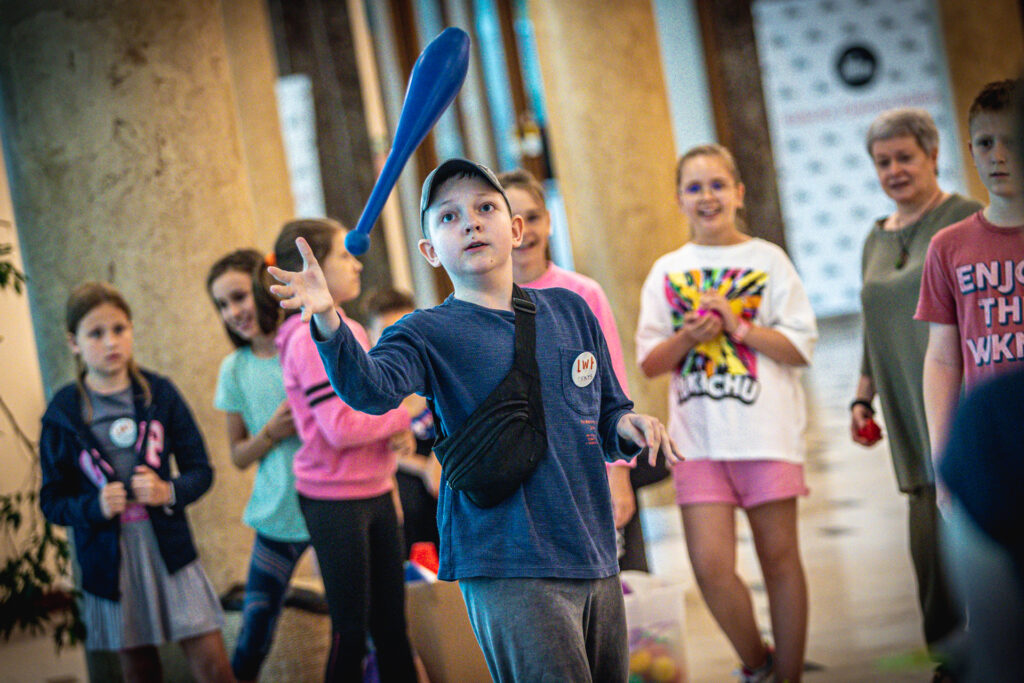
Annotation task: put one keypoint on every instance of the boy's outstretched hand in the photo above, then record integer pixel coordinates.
(648, 432)
(307, 290)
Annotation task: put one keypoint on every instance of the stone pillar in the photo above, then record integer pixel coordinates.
(984, 43)
(127, 164)
(250, 49)
(611, 135)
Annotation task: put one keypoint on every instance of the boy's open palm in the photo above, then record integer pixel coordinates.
(648, 432)
(307, 289)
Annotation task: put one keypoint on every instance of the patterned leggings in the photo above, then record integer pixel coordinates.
(270, 569)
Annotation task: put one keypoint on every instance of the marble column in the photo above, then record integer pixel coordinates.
(250, 48)
(127, 164)
(611, 135)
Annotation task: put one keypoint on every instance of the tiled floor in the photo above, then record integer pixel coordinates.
(864, 624)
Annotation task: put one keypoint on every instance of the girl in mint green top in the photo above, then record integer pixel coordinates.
(251, 387)
(250, 390)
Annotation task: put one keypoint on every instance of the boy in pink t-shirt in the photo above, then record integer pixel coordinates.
(972, 289)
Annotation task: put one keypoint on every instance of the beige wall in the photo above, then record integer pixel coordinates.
(21, 388)
(613, 151)
(984, 43)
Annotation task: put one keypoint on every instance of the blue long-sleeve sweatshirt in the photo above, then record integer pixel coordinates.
(559, 523)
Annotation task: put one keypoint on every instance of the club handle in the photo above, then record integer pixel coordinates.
(436, 79)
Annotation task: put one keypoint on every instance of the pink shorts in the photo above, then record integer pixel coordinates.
(744, 483)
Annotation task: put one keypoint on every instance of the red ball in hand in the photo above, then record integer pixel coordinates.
(870, 432)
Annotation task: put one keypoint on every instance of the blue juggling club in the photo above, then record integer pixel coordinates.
(436, 79)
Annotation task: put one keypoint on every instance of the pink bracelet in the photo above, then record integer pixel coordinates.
(741, 331)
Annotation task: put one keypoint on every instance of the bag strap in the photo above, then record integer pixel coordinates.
(526, 331)
(525, 312)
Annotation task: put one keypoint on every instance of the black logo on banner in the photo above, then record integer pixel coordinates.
(857, 66)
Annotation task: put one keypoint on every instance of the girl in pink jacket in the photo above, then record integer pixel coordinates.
(344, 474)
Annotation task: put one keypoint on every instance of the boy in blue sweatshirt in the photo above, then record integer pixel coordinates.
(538, 571)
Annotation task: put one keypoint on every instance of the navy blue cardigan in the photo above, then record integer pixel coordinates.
(75, 469)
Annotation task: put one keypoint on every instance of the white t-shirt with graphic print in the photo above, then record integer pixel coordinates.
(727, 401)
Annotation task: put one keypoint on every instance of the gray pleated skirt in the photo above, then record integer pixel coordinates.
(155, 607)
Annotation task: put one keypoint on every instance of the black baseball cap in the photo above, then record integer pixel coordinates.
(454, 167)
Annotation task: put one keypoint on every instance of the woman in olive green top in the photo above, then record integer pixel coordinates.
(904, 145)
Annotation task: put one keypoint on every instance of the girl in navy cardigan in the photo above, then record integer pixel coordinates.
(105, 454)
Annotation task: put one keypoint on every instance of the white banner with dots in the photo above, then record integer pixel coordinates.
(828, 68)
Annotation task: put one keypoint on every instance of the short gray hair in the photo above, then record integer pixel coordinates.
(907, 121)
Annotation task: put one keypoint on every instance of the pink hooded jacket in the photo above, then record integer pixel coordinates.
(344, 453)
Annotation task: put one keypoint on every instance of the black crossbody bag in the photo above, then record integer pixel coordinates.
(504, 439)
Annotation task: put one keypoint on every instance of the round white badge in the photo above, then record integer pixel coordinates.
(584, 368)
(123, 432)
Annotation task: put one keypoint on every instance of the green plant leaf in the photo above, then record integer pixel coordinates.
(29, 600)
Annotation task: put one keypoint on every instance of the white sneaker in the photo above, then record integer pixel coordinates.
(761, 674)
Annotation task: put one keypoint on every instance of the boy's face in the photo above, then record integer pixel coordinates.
(993, 146)
(470, 229)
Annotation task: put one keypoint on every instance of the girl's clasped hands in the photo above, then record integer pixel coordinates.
(146, 486)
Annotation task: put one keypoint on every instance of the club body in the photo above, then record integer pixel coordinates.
(436, 79)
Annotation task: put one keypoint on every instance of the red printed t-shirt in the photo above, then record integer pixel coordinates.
(974, 279)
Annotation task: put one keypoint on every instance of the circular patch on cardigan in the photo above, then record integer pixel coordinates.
(123, 432)
(584, 368)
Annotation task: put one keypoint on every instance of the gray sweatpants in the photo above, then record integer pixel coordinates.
(549, 629)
